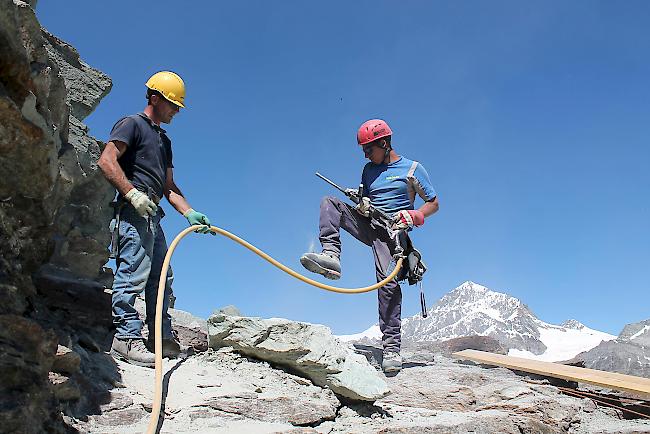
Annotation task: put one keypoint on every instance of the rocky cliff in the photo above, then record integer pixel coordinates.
(629, 353)
(53, 215)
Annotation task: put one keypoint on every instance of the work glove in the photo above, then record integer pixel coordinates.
(197, 218)
(406, 219)
(363, 207)
(142, 204)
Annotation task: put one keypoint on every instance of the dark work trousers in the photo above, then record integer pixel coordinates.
(336, 214)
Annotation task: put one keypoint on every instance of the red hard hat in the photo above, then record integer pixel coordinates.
(372, 130)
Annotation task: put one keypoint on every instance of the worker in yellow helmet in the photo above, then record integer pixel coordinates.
(137, 161)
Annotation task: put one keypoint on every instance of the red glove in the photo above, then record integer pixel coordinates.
(406, 219)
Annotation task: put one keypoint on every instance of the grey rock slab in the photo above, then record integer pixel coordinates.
(225, 392)
(515, 391)
(610, 425)
(454, 398)
(211, 391)
(192, 331)
(453, 387)
(118, 401)
(406, 421)
(123, 417)
(229, 310)
(275, 408)
(307, 349)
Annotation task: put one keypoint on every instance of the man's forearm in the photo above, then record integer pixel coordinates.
(429, 208)
(115, 175)
(177, 200)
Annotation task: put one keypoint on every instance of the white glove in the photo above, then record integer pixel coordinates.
(363, 207)
(142, 204)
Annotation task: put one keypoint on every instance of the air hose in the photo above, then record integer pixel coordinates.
(155, 409)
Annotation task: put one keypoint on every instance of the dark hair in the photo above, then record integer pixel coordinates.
(151, 92)
(387, 138)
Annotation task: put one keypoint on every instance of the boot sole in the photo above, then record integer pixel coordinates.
(123, 358)
(315, 267)
(391, 370)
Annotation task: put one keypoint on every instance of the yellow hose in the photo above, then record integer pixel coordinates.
(155, 409)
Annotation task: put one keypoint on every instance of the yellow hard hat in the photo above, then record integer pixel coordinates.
(170, 85)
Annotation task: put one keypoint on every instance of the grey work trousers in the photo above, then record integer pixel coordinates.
(334, 215)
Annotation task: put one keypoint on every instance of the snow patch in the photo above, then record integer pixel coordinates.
(564, 344)
(640, 332)
(372, 333)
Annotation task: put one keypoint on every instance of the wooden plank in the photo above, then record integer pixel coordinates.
(610, 380)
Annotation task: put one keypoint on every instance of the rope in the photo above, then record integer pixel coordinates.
(155, 409)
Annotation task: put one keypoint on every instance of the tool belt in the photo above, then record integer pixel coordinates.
(413, 269)
(117, 205)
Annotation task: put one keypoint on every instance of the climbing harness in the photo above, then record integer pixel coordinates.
(155, 409)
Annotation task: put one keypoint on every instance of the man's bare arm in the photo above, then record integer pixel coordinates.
(174, 194)
(111, 168)
(430, 207)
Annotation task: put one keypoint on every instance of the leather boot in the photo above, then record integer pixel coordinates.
(171, 348)
(392, 362)
(326, 264)
(133, 351)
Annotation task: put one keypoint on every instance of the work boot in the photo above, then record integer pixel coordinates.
(324, 263)
(171, 348)
(133, 351)
(392, 362)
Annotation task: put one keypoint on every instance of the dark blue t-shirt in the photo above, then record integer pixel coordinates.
(392, 187)
(148, 153)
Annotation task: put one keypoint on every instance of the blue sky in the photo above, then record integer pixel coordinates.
(531, 118)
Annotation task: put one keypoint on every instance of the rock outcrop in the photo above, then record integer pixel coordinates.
(222, 391)
(53, 215)
(629, 353)
(307, 349)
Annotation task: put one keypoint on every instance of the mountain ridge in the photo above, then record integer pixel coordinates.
(473, 309)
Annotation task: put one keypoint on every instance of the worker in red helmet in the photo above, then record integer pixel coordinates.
(390, 184)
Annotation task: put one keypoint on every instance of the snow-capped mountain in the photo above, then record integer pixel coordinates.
(637, 333)
(629, 353)
(472, 309)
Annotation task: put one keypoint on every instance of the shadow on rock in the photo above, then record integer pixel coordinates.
(165, 388)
